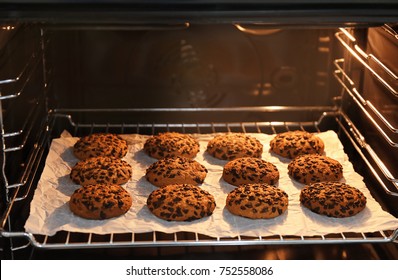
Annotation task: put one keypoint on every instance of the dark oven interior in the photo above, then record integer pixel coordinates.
(195, 78)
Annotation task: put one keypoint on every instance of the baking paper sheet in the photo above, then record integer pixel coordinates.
(50, 212)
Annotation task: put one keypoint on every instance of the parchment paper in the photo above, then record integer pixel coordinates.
(50, 212)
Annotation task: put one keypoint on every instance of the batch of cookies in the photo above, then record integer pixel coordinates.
(177, 176)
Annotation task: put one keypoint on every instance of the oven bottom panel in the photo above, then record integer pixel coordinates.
(388, 251)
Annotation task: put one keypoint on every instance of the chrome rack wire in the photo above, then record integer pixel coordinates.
(387, 78)
(390, 30)
(30, 172)
(363, 104)
(355, 95)
(195, 126)
(23, 78)
(18, 137)
(14, 88)
(363, 58)
(72, 240)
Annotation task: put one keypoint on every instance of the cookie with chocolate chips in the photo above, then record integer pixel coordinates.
(181, 202)
(101, 170)
(333, 199)
(171, 144)
(176, 170)
(230, 146)
(100, 144)
(99, 202)
(248, 170)
(309, 169)
(295, 143)
(257, 201)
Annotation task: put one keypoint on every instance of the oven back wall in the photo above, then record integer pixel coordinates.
(199, 66)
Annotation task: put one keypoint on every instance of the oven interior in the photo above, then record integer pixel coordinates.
(195, 78)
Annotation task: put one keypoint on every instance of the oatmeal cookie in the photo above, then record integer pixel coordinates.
(181, 202)
(248, 170)
(101, 170)
(257, 201)
(234, 145)
(315, 168)
(176, 170)
(99, 202)
(333, 199)
(295, 143)
(100, 144)
(171, 144)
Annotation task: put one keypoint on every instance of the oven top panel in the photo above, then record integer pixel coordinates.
(213, 2)
(270, 12)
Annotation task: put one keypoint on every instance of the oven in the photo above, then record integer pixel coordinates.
(197, 67)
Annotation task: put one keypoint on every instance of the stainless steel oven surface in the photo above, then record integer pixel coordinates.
(137, 68)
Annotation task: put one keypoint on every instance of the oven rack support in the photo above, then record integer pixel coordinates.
(390, 30)
(343, 78)
(15, 139)
(363, 57)
(70, 240)
(385, 77)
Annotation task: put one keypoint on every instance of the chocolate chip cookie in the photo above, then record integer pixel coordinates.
(315, 168)
(181, 202)
(248, 170)
(171, 144)
(294, 143)
(100, 144)
(257, 201)
(176, 170)
(101, 170)
(99, 202)
(230, 146)
(333, 199)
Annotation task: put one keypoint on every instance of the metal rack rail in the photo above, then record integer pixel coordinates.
(343, 78)
(15, 139)
(351, 45)
(376, 118)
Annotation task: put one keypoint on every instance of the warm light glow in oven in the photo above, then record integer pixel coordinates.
(8, 27)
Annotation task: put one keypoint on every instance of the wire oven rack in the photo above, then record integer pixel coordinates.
(71, 240)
